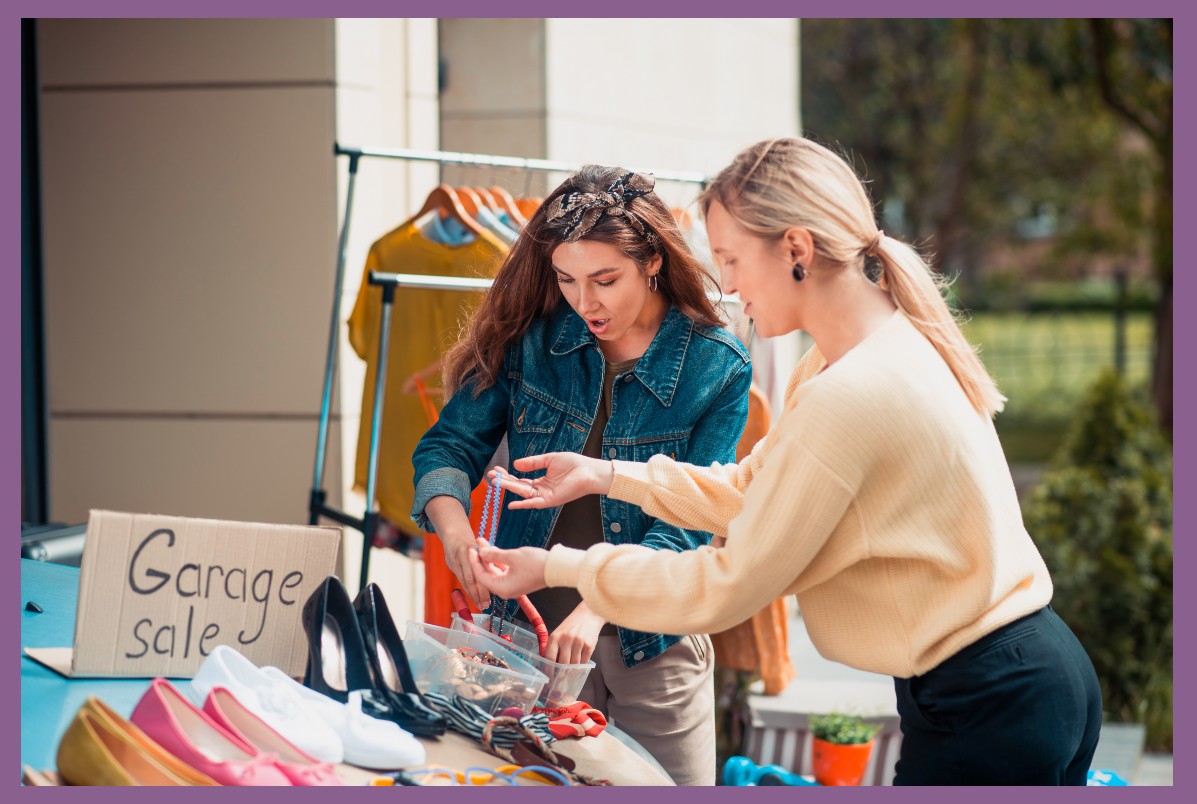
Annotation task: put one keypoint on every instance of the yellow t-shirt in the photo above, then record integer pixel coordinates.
(424, 324)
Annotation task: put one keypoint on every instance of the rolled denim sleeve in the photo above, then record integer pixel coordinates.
(713, 438)
(452, 456)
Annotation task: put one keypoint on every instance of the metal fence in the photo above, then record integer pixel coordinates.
(1044, 361)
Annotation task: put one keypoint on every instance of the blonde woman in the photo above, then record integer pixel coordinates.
(881, 497)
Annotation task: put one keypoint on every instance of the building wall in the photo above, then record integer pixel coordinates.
(664, 94)
(192, 203)
(188, 188)
(677, 94)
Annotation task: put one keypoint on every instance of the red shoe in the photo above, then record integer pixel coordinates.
(579, 719)
(175, 724)
(303, 770)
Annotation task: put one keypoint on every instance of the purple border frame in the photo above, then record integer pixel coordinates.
(1184, 428)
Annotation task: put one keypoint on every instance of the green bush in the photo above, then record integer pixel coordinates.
(842, 729)
(1102, 519)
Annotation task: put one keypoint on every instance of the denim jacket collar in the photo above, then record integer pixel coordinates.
(661, 364)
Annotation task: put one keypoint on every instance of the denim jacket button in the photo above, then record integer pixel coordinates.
(627, 378)
(638, 655)
(616, 527)
(611, 453)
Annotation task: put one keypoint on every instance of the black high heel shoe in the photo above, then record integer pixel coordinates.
(338, 663)
(388, 661)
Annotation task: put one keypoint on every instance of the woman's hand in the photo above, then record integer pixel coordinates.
(573, 641)
(457, 556)
(509, 573)
(452, 526)
(567, 477)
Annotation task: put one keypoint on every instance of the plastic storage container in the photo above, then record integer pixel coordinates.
(440, 664)
(564, 680)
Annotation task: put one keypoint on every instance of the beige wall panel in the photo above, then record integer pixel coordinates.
(493, 65)
(519, 136)
(94, 52)
(189, 246)
(251, 470)
(510, 135)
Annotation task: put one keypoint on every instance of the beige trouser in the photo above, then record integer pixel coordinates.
(666, 704)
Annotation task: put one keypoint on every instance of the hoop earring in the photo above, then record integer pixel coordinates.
(652, 284)
(799, 272)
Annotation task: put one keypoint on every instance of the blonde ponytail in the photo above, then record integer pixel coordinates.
(919, 295)
(778, 184)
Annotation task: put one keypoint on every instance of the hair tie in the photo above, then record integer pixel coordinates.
(875, 244)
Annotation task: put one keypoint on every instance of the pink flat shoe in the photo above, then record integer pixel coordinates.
(174, 723)
(302, 769)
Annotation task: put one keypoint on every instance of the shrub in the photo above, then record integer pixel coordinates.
(1102, 519)
(842, 729)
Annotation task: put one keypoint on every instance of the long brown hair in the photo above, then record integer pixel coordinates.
(778, 184)
(525, 288)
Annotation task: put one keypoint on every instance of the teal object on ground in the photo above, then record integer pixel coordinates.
(1106, 778)
(743, 772)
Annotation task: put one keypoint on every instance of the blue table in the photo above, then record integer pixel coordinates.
(49, 701)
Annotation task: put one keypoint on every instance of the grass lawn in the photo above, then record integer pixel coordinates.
(1044, 362)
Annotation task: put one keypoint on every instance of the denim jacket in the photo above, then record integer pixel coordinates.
(686, 398)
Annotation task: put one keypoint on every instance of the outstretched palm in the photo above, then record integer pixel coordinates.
(567, 477)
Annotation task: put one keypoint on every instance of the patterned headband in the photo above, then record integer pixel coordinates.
(583, 210)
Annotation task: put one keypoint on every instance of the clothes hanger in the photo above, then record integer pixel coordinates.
(470, 201)
(487, 199)
(528, 206)
(507, 203)
(445, 202)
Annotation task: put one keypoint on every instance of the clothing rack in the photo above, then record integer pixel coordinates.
(318, 506)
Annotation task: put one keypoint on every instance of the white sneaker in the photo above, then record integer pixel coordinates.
(275, 703)
(368, 741)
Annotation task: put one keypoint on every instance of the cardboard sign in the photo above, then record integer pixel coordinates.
(157, 593)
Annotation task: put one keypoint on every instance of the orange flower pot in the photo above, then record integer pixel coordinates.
(838, 765)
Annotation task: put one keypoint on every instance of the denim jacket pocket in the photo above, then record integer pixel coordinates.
(535, 420)
(533, 412)
(671, 445)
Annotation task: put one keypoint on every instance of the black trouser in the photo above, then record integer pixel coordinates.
(1019, 706)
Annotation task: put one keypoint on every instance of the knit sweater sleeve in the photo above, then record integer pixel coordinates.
(796, 501)
(703, 498)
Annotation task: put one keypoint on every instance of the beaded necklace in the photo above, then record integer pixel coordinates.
(491, 509)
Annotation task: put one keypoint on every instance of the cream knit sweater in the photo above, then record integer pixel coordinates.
(880, 497)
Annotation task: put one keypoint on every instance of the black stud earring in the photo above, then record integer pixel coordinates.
(799, 272)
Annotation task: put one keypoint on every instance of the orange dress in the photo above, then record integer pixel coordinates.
(760, 643)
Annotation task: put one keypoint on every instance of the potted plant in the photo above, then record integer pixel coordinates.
(841, 748)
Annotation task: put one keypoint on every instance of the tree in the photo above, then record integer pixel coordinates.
(969, 129)
(1133, 64)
